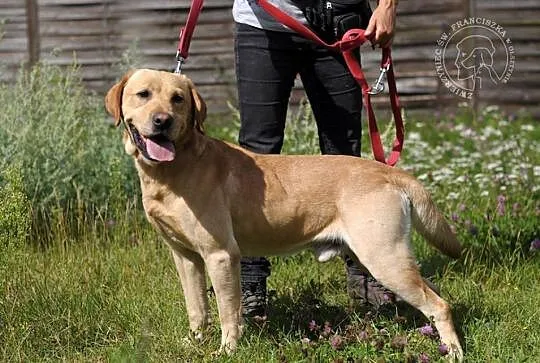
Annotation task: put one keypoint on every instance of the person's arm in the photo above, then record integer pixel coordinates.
(381, 26)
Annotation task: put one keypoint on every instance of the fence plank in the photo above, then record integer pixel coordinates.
(96, 34)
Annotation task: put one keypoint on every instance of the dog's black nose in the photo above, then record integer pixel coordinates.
(162, 120)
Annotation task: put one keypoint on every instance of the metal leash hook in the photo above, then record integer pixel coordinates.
(179, 63)
(378, 86)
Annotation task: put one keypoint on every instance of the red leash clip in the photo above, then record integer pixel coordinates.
(186, 32)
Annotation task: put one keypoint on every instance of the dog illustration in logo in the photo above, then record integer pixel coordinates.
(474, 59)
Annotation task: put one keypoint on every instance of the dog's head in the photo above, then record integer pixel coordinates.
(160, 110)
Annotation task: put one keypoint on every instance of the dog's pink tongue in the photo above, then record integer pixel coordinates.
(162, 150)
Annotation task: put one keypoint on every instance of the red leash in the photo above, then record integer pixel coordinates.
(186, 32)
(351, 40)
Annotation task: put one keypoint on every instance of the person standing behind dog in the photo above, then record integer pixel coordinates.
(268, 57)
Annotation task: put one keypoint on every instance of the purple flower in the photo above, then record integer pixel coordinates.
(327, 330)
(363, 335)
(462, 207)
(312, 326)
(501, 205)
(443, 349)
(427, 330)
(336, 342)
(423, 358)
(455, 217)
(535, 245)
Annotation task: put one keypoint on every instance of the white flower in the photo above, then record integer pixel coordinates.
(527, 127)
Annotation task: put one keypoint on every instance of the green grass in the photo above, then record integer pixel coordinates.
(84, 278)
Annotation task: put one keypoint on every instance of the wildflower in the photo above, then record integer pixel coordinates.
(327, 330)
(399, 342)
(305, 341)
(455, 217)
(363, 335)
(515, 208)
(423, 358)
(427, 330)
(535, 245)
(443, 349)
(501, 205)
(337, 342)
(312, 326)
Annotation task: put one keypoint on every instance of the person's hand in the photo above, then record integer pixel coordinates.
(380, 30)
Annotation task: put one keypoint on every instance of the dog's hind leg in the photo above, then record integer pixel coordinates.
(396, 269)
(190, 267)
(381, 243)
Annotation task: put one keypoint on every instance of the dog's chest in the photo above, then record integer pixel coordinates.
(171, 217)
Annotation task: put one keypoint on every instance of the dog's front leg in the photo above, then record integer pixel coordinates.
(190, 267)
(224, 271)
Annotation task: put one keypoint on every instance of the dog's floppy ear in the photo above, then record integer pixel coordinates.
(198, 108)
(113, 99)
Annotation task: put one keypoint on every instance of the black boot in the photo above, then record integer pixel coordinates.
(253, 274)
(363, 289)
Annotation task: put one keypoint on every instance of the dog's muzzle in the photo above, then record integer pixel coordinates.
(154, 148)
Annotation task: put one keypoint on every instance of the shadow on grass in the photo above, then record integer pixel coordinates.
(296, 314)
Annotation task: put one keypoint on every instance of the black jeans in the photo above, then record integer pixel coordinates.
(267, 63)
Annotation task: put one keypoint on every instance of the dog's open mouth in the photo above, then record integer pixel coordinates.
(155, 148)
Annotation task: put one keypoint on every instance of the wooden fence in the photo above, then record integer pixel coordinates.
(103, 35)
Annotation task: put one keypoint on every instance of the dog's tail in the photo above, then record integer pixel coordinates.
(427, 219)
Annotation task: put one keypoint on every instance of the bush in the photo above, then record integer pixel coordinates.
(14, 210)
(68, 153)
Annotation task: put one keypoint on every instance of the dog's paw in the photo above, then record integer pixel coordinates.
(194, 336)
(455, 353)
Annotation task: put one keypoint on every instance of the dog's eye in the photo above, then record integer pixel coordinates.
(177, 98)
(143, 94)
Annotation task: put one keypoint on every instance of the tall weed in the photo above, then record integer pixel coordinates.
(68, 153)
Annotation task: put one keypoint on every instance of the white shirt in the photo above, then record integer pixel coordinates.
(250, 13)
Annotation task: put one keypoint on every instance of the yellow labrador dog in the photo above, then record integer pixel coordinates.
(214, 202)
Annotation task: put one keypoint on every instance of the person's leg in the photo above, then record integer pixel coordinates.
(265, 73)
(265, 76)
(336, 101)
